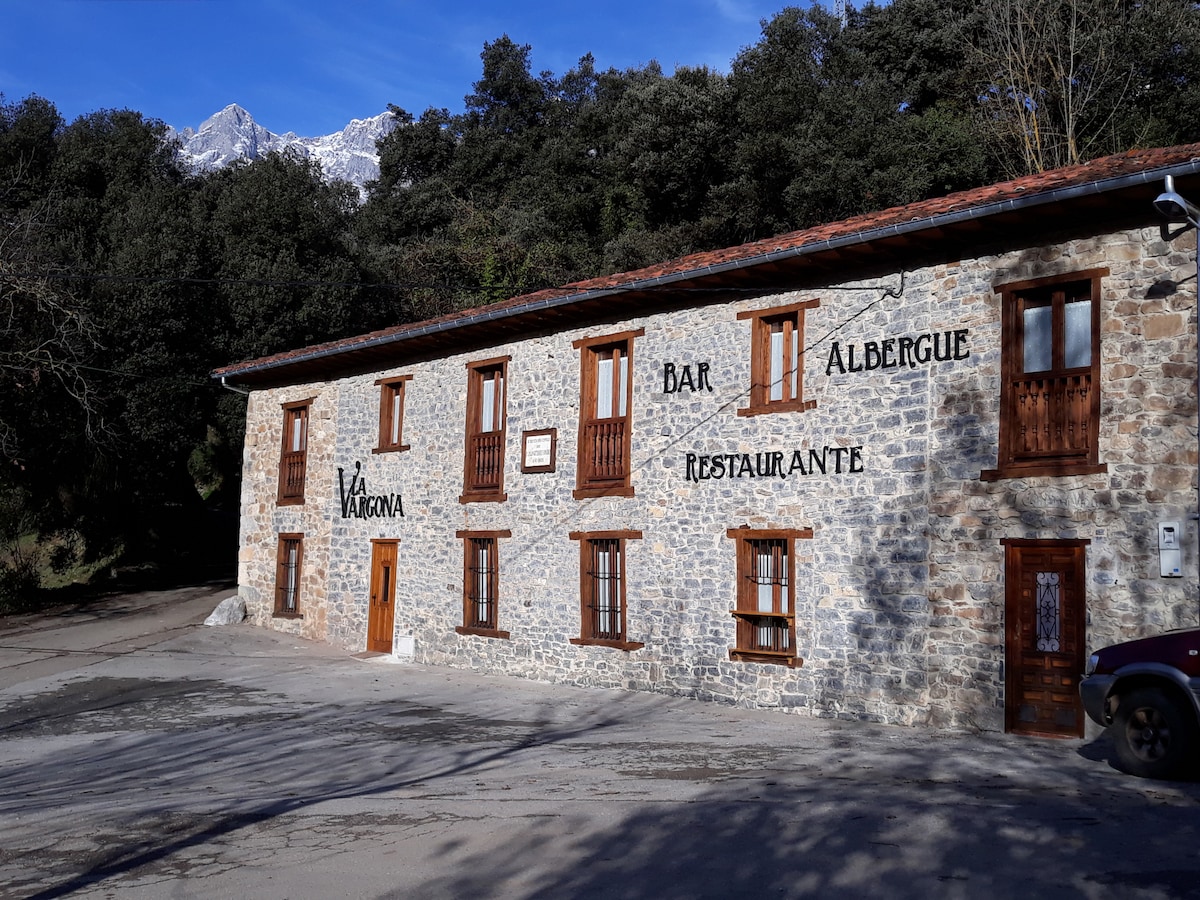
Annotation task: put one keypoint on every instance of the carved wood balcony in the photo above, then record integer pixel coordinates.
(1052, 416)
(602, 454)
(485, 462)
(291, 475)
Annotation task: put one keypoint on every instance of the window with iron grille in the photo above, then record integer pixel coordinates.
(289, 559)
(1050, 377)
(483, 472)
(293, 458)
(391, 414)
(765, 613)
(481, 583)
(606, 397)
(602, 588)
(777, 359)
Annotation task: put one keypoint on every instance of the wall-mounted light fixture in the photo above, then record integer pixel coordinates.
(1174, 208)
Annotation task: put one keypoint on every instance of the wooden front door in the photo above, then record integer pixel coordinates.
(1044, 604)
(383, 596)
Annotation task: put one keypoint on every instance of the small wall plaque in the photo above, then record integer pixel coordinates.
(538, 450)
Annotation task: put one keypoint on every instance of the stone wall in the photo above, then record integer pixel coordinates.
(900, 592)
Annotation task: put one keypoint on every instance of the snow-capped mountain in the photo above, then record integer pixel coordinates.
(232, 134)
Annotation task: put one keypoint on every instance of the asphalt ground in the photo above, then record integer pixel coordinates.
(143, 754)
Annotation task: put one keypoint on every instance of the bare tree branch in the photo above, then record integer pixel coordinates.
(45, 334)
(1056, 75)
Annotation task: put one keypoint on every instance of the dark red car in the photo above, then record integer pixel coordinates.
(1149, 692)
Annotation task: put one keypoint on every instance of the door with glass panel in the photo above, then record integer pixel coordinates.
(1044, 612)
(381, 614)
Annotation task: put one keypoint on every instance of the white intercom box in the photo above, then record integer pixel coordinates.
(1170, 550)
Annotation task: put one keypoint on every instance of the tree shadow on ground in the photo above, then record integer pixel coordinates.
(795, 809)
(909, 825)
(277, 763)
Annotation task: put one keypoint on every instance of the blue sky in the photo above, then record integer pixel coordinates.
(310, 66)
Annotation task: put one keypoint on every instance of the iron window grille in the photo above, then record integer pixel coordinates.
(603, 589)
(481, 583)
(764, 613)
(287, 576)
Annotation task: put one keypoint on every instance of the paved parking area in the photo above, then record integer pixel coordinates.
(145, 755)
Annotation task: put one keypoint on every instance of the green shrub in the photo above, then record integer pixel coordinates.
(19, 587)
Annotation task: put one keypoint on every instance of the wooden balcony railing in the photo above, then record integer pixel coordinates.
(485, 461)
(291, 475)
(1052, 417)
(602, 453)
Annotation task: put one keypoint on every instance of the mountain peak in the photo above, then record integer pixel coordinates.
(234, 115)
(232, 134)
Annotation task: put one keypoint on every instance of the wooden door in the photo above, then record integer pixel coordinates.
(383, 596)
(1044, 612)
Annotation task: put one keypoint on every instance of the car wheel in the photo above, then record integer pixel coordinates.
(1154, 736)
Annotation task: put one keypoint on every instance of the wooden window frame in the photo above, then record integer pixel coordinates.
(391, 414)
(282, 589)
(471, 624)
(762, 322)
(1070, 397)
(589, 581)
(293, 463)
(613, 433)
(749, 618)
(483, 454)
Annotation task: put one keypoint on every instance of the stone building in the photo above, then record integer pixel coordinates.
(908, 467)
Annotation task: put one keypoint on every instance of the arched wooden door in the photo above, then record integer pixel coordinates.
(1045, 599)
(381, 615)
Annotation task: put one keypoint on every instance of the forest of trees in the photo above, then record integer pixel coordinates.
(124, 279)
